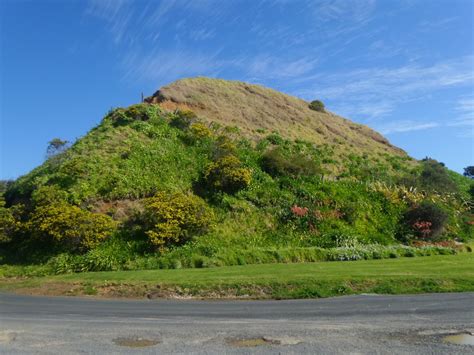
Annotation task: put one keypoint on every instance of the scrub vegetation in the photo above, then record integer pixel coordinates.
(176, 182)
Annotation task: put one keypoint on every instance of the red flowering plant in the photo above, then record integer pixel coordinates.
(423, 228)
(441, 243)
(299, 211)
(307, 218)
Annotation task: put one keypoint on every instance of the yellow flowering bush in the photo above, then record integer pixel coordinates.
(175, 218)
(200, 131)
(227, 174)
(7, 223)
(70, 226)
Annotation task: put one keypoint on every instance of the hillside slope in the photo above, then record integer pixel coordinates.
(257, 111)
(156, 185)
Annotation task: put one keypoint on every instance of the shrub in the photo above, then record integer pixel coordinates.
(435, 177)
(7, 223)
(69, 226)
(138, 112)
(317, 105)
(275, 139)
(48, 195)
(223, 146)
(227, 175)
(175, 218)
(426, 220)
(276, 164)
(182, 119)
(197, 132)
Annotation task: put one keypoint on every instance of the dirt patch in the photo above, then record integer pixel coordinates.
(7, 337)
(53, 289)
(135, 342)
(460, 339)
(251, 342)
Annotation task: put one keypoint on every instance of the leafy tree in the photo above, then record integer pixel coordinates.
(4, 184)
(434, 177)
(317, 105)
(175, 218)
(469, 171)
(56, 146)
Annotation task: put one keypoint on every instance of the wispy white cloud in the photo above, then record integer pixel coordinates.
(342, 10)
(465, 108)
(405, 126)
(385, 88)
(164, 66)
(202, 34)
(113, 13)
(431, 25)
(270, 67)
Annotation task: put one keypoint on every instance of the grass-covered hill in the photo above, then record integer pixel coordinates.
(209, 172)
(258, 111)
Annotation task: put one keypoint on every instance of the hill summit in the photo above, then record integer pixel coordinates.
(258, 110)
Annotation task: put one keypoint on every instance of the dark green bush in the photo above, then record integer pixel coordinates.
(275, 163)
(426, 220)
(275, 139)
(182, 119)
(317, 105)
(138, 112)
(434, 177)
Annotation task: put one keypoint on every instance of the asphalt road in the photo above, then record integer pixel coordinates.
(343, 325)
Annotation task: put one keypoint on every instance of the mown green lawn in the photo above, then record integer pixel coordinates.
(442, 273)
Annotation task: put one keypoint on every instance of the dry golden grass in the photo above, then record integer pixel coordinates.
(254, 108)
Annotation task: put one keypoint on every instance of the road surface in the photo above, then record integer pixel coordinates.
(344, 325)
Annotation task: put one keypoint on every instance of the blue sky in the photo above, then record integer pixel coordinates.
(403, 67)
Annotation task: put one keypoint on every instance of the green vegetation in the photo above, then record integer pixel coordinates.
(303, 280)
(469, 171)
(175, 218)
(317, 105)
(156, 186)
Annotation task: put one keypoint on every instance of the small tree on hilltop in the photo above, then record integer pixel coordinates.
(317, 105)
(435, 177)
(56, 146)
(469, 171)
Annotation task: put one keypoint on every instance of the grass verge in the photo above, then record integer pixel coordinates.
(441, 273)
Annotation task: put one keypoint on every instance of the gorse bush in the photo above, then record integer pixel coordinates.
(69, 226)
(317, 105)
(7, 223)
(223, 146)
(198, 132)
(173, 219)
(227, 174)
(48, 195)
